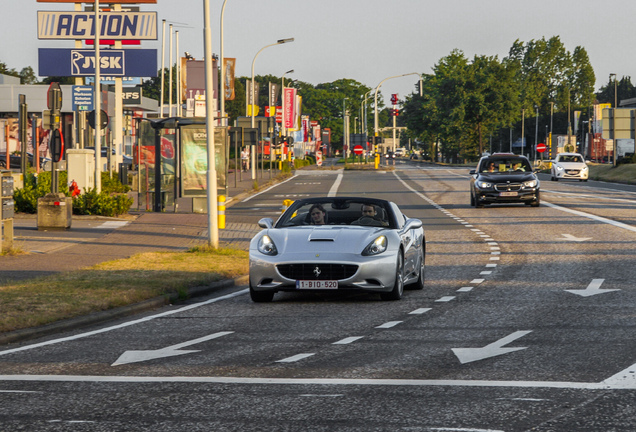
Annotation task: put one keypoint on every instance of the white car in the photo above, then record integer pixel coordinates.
(569, 166)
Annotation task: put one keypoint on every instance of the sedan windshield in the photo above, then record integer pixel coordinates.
(505, 165)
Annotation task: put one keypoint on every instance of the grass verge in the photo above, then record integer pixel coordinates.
(117, 283)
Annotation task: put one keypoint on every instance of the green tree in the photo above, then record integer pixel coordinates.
(27, 76)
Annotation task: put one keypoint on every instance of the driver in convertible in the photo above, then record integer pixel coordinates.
(370, 217)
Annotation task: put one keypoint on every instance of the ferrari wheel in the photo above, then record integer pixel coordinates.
(261, 296)
(398, 285)
(419, 284)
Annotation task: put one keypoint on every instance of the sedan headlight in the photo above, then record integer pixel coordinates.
(530, 184)
(559, 167)
(585, 168)
(376, 247)
(484, 185)
(266, 246)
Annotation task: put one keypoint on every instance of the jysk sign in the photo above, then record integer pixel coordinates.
(81, 62)
(81, 25)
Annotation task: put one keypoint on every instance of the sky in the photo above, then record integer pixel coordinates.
(363, 40)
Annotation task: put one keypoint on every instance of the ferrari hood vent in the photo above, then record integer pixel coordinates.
(322, 235)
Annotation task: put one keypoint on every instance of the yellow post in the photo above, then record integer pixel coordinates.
(286, 204)
(221, 205)
(377, 160)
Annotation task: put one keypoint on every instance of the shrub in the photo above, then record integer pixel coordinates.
(112, 201)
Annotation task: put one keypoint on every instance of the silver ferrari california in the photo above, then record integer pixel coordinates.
(338, 243)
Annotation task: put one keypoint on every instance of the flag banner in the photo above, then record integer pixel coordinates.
(229, 64)
(289, 107)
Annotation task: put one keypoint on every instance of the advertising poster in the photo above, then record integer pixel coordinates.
(194, 161)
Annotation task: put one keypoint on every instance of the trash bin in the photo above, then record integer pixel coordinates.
(123, 173)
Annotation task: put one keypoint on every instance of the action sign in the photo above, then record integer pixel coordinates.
(541, 147)
(81, 62)
(83, 98)
(114, 25)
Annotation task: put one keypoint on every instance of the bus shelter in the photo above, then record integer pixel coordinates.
(178, 147)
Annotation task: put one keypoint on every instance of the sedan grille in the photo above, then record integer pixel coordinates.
(507, 187)
(572, 172)
(320, 271)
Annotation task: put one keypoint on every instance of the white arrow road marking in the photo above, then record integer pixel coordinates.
(570, 237)
(593, 288)
(467, 355)
(171, 351)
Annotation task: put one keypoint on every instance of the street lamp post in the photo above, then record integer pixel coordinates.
(222, 86)
(375, 100)
(213, 219)
(614, 120)
(254, 98)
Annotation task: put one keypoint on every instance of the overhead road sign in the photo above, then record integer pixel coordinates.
(81, 62)
(81, 25)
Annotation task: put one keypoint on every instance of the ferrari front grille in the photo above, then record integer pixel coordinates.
(319, 271)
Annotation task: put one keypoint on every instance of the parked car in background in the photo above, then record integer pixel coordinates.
(15, 160)
(503, 178)
(569, 166)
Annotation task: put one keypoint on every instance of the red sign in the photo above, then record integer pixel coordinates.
(358, 149)
(541, 147)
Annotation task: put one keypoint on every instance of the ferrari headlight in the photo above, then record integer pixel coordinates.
(376, 247)
(531, 183)
(266, 246)
(484, 185)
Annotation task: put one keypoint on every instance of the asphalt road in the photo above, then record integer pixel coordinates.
(526, 323)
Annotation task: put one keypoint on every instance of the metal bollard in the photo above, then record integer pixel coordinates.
(221, 205)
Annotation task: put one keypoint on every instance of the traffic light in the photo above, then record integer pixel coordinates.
(391, 112)
(396, 112)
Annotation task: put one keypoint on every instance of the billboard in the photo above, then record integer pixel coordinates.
(113, 62)
(81, 25)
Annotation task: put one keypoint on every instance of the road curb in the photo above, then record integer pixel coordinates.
(116, 313)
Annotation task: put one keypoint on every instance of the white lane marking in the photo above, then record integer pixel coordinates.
(269, 188)
(592, 289)
(348, 340)
(19, 391)
(171, 351)
(389, 324)
(295, 358)
(126, 324)
(321, 395)
(465, 289)
(491, 265)
(495, 258)
(486, 272)
(334, 189)
(570, 237)
(113, 224)
(445, 299)
(606, 385)
(450, 429)
(624, 379)
(477, 281)
(591, 216)
(420, 311)
(468, 355)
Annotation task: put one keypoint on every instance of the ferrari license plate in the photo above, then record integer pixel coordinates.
(318, 284)
(508, 194)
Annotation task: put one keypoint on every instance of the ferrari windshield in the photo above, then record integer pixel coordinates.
(336, 212)
(505, 165)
